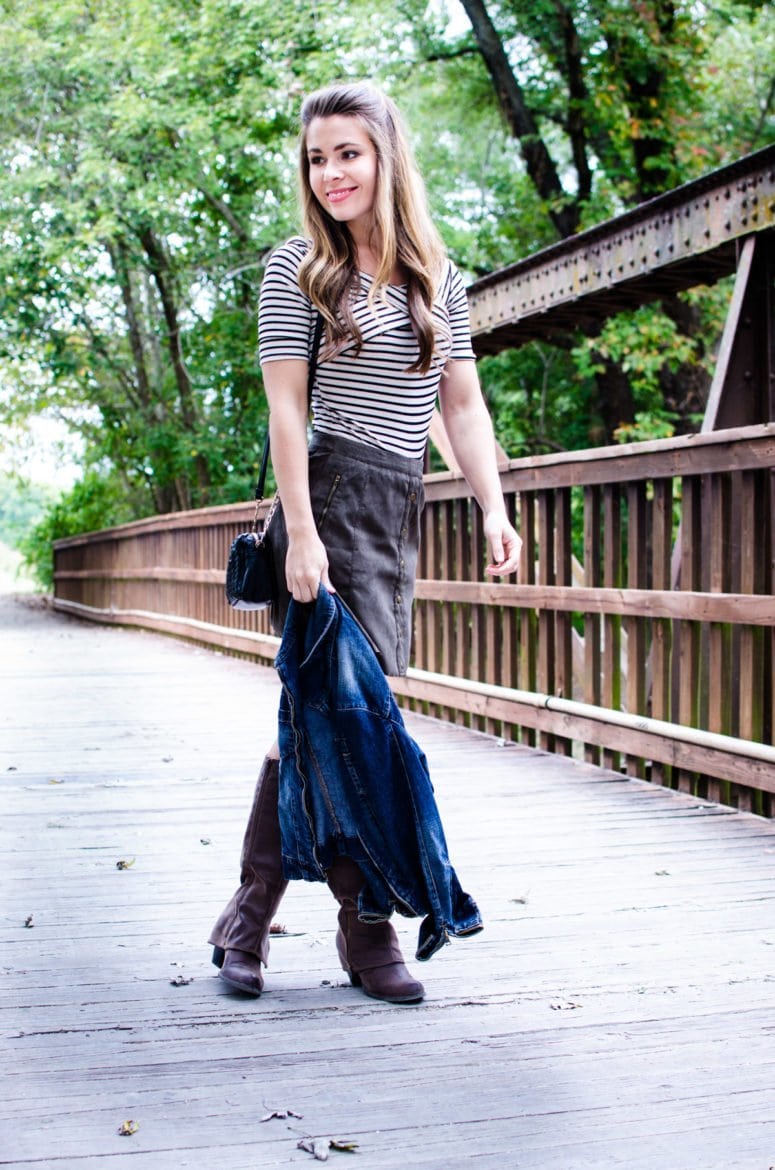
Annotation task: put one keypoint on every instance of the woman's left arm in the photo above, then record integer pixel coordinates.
(469, 429)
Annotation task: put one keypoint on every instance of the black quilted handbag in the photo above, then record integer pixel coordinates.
(251, 582)
(250, 577)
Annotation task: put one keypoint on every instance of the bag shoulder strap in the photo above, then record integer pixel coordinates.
(313, 365)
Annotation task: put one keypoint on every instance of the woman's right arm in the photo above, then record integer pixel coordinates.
(306, 565)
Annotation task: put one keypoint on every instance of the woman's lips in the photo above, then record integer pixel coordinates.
(340, 194)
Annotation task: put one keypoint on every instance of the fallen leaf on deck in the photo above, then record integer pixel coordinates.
(167, 759)
(181, 981)
(280, 1114)
(520, 901)
(345, 1147)
(127, 1128)
(318, 1147)
(56, 781)
(278, 928)
(28, 922)
(204, 840)
(123, 864)
(661, 873)
(564, 1007)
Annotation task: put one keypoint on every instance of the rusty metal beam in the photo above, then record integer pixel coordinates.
(686, 237)
(743, 389)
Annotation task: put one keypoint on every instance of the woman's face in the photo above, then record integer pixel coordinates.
(342, 169)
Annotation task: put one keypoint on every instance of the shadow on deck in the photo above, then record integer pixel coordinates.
(617, 1010)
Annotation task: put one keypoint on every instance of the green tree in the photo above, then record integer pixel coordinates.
(22, 504)
(147, 152)
(607, 104)
(142, 181)
(98, 500)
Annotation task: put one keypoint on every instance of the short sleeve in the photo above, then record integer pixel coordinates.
(459, 320)
(284, 312)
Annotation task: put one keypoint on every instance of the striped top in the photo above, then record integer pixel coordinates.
(370, 396)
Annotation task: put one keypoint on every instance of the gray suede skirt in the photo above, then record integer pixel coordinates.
(367, 505)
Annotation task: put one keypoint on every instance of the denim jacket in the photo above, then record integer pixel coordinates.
(353, 781)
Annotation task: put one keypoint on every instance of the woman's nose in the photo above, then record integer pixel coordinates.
(331, 170)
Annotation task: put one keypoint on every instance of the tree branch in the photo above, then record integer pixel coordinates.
(452, 54)
(644, 79)
(222, 208)
(160, 270)
(577, 99)
(162, 275)
(539, 163)
(117, 251)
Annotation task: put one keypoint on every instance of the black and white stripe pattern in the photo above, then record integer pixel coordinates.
(369, 397)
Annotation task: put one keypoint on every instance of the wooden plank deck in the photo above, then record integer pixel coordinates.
(617, 1010)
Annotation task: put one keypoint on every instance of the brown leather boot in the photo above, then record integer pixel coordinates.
(240, 937)
(368, 951)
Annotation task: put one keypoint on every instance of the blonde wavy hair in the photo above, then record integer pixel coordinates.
(403, 230)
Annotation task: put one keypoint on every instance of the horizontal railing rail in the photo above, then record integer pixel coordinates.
(641, 632)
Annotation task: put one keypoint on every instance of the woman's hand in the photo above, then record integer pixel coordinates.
(306, 567)
(504, 543)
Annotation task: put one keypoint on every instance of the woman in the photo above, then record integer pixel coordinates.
(396, 336)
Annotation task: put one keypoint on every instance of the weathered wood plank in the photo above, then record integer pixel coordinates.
(617, 1010)
(695, 605)
(735, 449)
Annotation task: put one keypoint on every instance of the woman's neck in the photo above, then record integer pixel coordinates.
(368, 262)
(367, 252)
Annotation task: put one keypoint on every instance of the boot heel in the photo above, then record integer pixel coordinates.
(355, 980)
(245, 922)
(368, 951)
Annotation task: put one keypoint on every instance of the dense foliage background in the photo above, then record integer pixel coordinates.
(148, 168)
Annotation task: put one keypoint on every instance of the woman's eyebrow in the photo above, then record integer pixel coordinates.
(339, 146)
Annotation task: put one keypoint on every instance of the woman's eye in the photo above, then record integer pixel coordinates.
(315, 160)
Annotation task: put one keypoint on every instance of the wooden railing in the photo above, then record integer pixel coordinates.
(641, 632)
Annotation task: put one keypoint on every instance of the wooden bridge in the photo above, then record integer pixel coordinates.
(642, 630)
(616, 1011)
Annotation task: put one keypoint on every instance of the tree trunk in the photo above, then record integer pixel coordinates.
(118, 254)
(577, 99)
(615, 404)
(562, 210)
(685, 390)
(644, 78)
(162, 275)
(160, 270)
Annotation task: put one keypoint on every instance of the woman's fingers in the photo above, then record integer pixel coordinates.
(306, 568)
(505, 550)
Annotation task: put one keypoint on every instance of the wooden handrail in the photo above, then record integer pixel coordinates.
(682, 605)
(688, 646)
